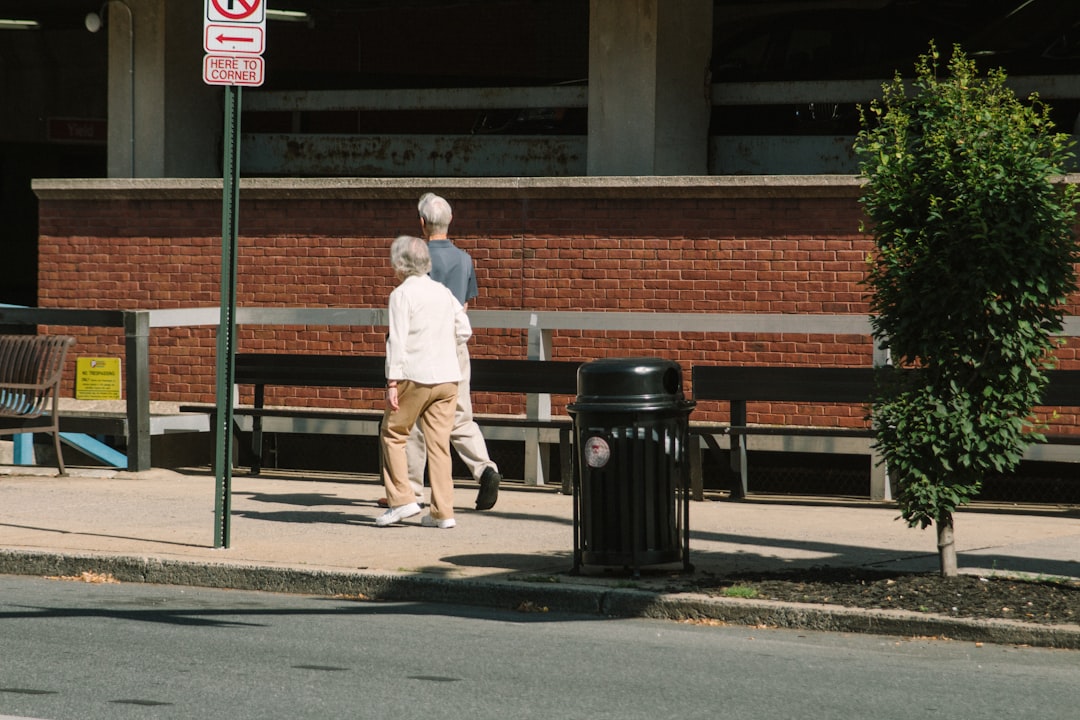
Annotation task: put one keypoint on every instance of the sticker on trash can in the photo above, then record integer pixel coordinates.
(597, 452)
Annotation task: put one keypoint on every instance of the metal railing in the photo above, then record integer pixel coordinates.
(138, 324)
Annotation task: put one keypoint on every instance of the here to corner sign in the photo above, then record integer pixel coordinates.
(234, 38)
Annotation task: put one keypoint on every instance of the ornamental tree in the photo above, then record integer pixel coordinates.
(975, 255)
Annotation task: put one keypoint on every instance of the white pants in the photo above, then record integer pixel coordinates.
(465, 437)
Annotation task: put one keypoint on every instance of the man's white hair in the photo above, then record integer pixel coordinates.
(435, 212)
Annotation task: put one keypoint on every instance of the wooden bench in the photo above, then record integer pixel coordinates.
(30, 372)
(530, 377)
(738, 385)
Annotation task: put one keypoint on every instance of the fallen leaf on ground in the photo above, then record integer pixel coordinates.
(87, 576)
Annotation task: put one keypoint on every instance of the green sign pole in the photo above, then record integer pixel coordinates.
(226, 339)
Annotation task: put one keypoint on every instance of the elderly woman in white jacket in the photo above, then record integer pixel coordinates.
(422, 374)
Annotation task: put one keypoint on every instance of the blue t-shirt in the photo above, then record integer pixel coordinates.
(453, 267)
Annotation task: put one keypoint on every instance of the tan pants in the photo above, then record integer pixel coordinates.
(431, 408)
(465, 437)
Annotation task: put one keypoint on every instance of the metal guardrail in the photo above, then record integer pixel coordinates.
(137, 326)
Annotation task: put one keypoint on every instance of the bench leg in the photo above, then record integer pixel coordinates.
(537, 459)
(256, 445)
(880, 490)
(23, 449)
(738, 464)
(697, 481)
(738, 447)
(59, 451)
(257, 433)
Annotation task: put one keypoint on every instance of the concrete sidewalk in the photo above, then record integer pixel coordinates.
(293, 532)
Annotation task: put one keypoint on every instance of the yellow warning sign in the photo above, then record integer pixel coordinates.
(97, 378)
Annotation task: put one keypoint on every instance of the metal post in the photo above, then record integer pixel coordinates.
(226, 345)
(880, 485)
(137, 353)
(738, 448)
(537, 407)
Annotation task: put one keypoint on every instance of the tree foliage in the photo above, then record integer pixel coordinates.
(975, 254)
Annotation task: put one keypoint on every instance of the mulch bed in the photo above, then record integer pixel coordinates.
(1050, 601)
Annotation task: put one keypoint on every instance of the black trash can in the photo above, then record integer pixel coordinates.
(631, 474)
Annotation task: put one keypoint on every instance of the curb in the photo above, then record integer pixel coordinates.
(543, 597)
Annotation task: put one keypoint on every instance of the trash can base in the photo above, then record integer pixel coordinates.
(630, 560)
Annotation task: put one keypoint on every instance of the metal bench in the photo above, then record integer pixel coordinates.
(30, 372)
(738, 385)
(260, 370)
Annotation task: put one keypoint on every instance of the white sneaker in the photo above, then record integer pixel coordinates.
(397, 514)
(444, 524)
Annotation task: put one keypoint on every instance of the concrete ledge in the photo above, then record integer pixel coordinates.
(570, 188)
(478, 188)
(834, 618)
(586, 598)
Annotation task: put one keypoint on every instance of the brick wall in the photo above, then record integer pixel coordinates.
(736, 252)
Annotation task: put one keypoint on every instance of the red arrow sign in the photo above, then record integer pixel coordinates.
(234, 38)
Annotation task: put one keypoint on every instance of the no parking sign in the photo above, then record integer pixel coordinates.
(234, 38)
(249, 11)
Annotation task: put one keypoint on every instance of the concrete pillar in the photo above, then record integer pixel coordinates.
(649, 102)
(121, 161)
(161, 115)
(194, 111)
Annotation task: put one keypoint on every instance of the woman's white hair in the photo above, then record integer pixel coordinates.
(409, 256)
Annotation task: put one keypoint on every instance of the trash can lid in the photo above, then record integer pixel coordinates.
(630, 380)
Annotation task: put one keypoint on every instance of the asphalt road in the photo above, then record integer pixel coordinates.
(87, 651)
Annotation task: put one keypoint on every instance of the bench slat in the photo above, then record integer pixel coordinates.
(843, 385)
(1063, 390)
(793, 384)
(368, 371)
(556, 377)
(309, 370)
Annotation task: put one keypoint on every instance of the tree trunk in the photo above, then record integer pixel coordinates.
(945, 545)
